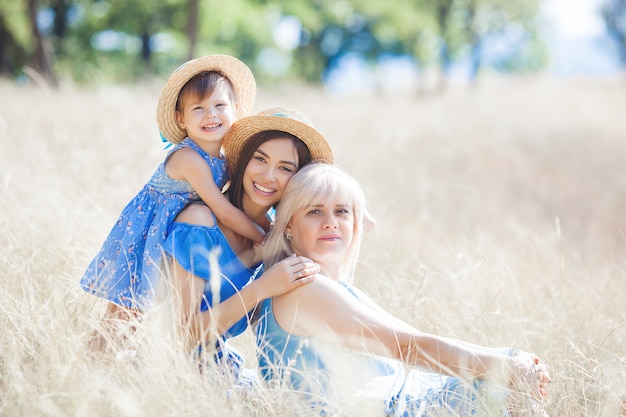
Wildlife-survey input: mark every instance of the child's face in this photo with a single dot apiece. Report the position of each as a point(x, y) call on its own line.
point(323, 231)
point(208, 119)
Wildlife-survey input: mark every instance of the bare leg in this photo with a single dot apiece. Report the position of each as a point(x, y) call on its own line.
point(117, 324)
point(188, 290)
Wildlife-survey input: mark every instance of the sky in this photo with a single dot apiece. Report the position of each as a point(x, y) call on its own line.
point(577, 39)
point(574, 18)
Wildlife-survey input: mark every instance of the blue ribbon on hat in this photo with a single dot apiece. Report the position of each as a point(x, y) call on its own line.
point(164, 140)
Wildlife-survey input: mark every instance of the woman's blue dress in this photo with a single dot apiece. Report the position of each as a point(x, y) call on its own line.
point(205, 252)
point(127, 268)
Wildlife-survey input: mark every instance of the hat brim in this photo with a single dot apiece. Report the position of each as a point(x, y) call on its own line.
point(247, 127)
point(237, 73)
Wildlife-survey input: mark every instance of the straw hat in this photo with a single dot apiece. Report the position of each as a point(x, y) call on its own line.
point(277, 118)
point(237, 73)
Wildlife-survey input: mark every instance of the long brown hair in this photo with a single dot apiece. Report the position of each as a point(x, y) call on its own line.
point(235, 191)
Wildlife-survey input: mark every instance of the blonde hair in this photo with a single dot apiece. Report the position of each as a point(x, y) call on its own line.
point(314, 183)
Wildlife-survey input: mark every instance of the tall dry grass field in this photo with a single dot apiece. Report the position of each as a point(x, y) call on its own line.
point(501, 219)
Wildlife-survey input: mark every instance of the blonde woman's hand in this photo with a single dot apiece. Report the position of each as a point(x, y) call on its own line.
point(289, 274)
point(530, 375)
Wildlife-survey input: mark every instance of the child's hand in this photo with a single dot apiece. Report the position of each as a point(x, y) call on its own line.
point(261, 232)
point(258, 251)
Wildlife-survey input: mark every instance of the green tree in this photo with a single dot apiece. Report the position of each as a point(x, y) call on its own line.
point(23, 48)
point(120, 39)
point(440, 32)
point(489, 17)
point(13, 52)
point(320, 20)
point(127, 31)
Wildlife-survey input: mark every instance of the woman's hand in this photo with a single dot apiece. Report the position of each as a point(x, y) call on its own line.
point(530, 375)
point(288, 274)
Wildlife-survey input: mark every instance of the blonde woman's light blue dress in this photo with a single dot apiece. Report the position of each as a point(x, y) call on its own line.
point(318, 379)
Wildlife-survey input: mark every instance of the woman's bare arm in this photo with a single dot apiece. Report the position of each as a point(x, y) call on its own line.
point(325, 310)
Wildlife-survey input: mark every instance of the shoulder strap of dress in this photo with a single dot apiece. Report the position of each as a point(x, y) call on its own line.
point(189, 143)
point(350, 289)
point(186, 143)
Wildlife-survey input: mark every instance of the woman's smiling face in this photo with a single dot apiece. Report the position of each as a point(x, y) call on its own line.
point(273, 164)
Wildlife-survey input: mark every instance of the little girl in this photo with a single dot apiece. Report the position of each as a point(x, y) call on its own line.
point(197, 107)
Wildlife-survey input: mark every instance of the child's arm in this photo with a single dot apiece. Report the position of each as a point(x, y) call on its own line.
point(187, 164)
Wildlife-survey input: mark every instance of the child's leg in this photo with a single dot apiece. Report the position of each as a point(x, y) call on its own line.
point(116, 325)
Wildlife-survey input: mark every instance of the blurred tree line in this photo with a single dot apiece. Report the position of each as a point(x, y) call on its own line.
point(614, 16)
point(129, 40)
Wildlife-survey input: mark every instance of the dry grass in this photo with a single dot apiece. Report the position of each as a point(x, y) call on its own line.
point(501, 219)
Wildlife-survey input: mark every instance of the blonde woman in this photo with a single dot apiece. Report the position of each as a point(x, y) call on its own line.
point(341, 352)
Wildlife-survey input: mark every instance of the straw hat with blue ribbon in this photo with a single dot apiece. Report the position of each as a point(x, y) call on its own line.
point(237, 73)
point(277, 118)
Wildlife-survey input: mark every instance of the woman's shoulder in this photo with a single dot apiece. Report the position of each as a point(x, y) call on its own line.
point(319, 287)
point(317, 308)
point(297, 311)
point(322, 291)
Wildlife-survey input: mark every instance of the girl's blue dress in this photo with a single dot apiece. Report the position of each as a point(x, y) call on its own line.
point(326, 380)
point(127, 268)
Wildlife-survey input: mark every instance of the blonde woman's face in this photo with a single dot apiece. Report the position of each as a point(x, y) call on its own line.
point(323, 231)
point(268, 172)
